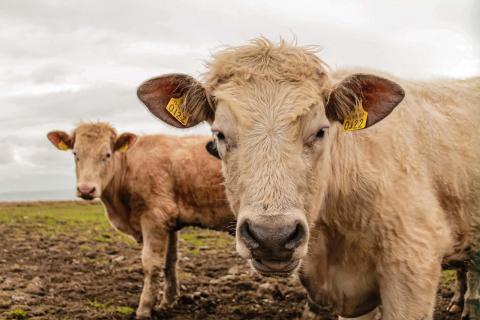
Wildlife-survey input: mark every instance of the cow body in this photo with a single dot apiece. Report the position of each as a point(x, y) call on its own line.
point(160, 185)
point(171, 175)
point(369, 216)
point(409, 199)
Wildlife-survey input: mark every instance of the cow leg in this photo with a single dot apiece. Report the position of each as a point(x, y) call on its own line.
point(310, 312)
point(408, 290)
point(457, 302)
point(153, 252)
point(171, 285)
point(471, 310)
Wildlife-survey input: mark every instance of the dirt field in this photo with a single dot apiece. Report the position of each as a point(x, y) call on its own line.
point(64, 261)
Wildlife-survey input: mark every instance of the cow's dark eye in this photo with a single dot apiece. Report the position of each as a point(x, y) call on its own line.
point(320, 133)
point(220, 135)
point(211, 147)
point(108, 155)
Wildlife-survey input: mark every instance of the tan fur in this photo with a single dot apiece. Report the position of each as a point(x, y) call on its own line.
point(386, 205)
point(160, 185)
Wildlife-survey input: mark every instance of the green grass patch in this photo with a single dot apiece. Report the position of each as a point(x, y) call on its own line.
point(448, 277)
point(104, 238)
point(193, 239)
point(54, 213)
point(18, 313)
point(84, 248)
point(206, 238)
point(85, 221)
point(194, 251)
point(123, 310)
point(95, 304)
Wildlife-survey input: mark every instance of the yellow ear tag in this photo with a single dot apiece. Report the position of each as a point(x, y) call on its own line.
point(124, 148)
point(173, 107)
point(356, 120)
point(62, 146)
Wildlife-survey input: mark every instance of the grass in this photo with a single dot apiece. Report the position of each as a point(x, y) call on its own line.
point(88, 220)
point(206, 238)
point(54, 213)
point(95, 304)
point(448, 278)
point(85, 220)
point(122, 310)
point(84, 248)
point(18, 313)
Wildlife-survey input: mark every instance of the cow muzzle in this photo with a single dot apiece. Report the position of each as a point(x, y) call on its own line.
point(275, 244)
point(87, 191)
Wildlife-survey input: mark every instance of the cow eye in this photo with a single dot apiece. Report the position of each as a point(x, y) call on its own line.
point(211, 147)
point(108, 155)
point(220, 136)
point(321, 133)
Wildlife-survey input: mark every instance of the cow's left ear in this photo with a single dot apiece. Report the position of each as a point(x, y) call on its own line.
point(377, 96)
point(125, 142)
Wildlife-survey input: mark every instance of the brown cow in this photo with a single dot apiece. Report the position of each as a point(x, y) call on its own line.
point(162, 184)
point(370, 214)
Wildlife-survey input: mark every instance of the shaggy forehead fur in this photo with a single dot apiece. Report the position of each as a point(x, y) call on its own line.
point(263, 59)
point(95, 131)
point(281, 74)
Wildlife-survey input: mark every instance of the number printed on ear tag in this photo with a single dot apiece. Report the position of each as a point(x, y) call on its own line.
point(356, 120)
point(173, 107)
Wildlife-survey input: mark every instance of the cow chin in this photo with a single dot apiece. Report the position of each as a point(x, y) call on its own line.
point(274, 268)
point(88, 197)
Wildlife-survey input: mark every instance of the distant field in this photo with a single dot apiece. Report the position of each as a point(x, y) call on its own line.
point(49, 195)
point(63, 260)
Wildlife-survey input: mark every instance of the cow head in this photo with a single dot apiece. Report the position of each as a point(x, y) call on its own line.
point(95, 148)
point(274, 113)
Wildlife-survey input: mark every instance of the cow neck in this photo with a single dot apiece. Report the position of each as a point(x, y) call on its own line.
point(112, 192)
point(348, 189)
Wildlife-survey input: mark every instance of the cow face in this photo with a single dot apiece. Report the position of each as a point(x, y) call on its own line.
point(95, 148)
point(274, 114)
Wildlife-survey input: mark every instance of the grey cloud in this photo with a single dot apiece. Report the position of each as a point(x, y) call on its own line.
point(6, 155)
point(51, 73)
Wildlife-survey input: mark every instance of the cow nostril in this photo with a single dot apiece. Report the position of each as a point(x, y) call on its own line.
point(248, 236)
point(295, 239)
point(86, 189)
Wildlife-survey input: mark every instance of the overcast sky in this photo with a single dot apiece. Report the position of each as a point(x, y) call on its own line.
point(65, 61)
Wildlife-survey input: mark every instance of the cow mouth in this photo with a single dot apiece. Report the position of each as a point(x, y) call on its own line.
point(275, 268)
point(87, 196)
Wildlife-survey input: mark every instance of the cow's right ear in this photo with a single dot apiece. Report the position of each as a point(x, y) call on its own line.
point(176, 99)
point(60, 139)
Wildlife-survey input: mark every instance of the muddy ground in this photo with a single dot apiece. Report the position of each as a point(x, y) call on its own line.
point(63, 261)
